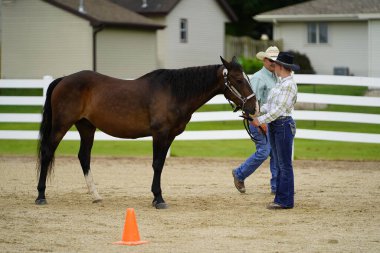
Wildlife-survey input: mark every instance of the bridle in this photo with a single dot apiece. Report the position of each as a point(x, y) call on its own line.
point(234, 91)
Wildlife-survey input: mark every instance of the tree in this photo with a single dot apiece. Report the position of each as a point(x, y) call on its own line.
point(246, 9)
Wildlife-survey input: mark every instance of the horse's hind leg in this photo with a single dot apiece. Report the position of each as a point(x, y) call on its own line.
point(87, 131)
point(46, 162)
point(161, 144)
point(47, 150)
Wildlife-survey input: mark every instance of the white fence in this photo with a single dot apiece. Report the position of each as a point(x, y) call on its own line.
point(225, 115)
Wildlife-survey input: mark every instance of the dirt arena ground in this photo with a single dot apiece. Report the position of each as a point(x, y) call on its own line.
point(337, 208)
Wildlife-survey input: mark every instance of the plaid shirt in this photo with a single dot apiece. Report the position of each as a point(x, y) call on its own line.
point(281, 100)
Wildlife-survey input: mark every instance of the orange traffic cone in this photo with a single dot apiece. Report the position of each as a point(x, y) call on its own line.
point(131, 234)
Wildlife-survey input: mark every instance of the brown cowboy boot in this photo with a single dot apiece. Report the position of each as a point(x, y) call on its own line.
point(238, 184)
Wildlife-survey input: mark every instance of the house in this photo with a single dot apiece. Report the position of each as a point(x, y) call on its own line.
point(59, 37)
point(123, 39)
point(338, 36)
point(194, 32)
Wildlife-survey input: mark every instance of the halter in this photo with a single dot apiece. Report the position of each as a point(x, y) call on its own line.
point(234, 91)
point(246, 118)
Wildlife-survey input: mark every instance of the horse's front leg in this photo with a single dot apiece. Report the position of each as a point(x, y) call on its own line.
point(161, 146)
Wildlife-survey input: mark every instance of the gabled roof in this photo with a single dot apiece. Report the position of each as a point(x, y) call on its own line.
point(152, 7)
point(104, 12)
point(164, 7)
point(327, 10)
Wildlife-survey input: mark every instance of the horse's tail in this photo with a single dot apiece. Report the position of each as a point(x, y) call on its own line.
point(45, 129)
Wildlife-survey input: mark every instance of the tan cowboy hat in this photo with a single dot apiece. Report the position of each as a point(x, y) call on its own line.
point(270, 53)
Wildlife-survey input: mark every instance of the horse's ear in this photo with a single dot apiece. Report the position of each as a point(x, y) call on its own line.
point(234, 59)
point(225, 63)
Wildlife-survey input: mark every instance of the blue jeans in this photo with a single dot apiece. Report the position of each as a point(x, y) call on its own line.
point(282, 132)
point(263, 150)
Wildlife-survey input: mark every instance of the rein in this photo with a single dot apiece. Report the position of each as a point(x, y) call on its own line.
point(246, 120)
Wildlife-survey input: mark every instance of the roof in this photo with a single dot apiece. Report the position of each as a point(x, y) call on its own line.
point(325, 10)
point(228, 10)
point(104, 12)
point(164, 7)
point(153, 7)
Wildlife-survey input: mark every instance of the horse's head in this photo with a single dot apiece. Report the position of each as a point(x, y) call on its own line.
point(238, 88)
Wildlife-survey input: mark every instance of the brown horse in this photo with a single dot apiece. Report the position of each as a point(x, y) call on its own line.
point(158, 104)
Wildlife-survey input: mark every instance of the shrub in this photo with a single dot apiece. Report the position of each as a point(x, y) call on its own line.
point(250, 65)
point(304, 62)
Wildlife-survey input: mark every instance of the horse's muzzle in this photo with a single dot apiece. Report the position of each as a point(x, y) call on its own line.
point(247, 112)
point(246, 116)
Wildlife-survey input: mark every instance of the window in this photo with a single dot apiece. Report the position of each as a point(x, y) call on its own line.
point(312, 33)
point(317, 33)
point(183, 30)
point(323, 33)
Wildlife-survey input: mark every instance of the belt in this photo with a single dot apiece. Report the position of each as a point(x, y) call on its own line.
point(284, 117)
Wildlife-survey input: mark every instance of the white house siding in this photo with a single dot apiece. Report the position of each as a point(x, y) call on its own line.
point(347, 46)
point(40, 39)
point(206, 22)
point(161, 46)
point(126, 53)
point(374, 48)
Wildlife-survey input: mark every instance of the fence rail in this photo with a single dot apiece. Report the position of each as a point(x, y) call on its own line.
point(221, 116)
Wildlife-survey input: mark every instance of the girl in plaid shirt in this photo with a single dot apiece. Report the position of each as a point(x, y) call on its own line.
point(277, 112)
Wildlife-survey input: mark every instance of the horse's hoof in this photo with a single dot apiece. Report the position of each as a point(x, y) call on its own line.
point(41, 202)
point(97, 201)
point(161, 205)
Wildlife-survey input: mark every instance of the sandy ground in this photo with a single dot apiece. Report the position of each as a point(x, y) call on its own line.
point(337, 208)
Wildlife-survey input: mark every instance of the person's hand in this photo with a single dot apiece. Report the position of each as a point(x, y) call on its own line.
point(263, 128)
point(255, 122)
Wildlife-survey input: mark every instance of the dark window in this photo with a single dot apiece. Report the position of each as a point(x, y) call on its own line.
point(312, 33)
point(317, 33)
point(183, 30)
point(323, 38)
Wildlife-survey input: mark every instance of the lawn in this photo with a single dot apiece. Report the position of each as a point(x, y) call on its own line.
point(304, 149)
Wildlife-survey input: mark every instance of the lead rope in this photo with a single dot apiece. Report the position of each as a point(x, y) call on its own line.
point(246, 126)
point(246, 120)
point(246, 123)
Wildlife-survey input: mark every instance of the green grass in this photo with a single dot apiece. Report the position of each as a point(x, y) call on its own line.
point(313, 125)
point(332, 89)
point(20, 92)
point(20, 109)
point(19, 126)
point(339, 126)
point(304, 149)
point(330, 150)
point(106, 148)
point(350, 108)
point(214, 108)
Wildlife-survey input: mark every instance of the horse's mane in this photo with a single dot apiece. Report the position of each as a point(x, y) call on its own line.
point(186, 82)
